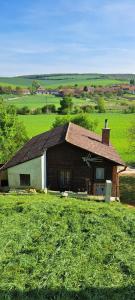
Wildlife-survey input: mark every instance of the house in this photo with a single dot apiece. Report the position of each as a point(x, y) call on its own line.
point(41, 91)
point(68, 157)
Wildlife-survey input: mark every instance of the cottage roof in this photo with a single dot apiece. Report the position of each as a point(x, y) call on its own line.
point(71, 133)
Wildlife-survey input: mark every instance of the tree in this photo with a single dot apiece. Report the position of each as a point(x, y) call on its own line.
point(66, 105)
point(132, 82)
point(18, 90)
point(35, 86)
point(80, 119)
point(85, 88)
point(101, 105)
point(12, 132)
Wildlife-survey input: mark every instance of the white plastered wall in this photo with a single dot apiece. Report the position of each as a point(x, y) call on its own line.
point(35, 167)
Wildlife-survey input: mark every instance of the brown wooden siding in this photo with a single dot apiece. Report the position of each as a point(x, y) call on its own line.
point(66, 156)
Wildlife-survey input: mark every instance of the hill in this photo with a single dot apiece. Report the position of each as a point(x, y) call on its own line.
point(52, 248)
point(55, 80)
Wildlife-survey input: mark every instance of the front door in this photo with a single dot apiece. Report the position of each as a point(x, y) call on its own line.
point(64, 179)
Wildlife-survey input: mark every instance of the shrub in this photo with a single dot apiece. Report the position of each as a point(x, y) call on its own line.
point(80, 119)
point(50, 108)
point(66, 105)
point(87, 108)
point(23, 110)
point(37, 111)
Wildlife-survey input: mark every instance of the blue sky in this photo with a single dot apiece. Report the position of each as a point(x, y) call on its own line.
point(57, 36)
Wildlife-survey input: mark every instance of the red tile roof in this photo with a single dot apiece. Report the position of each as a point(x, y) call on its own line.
point(71, 133)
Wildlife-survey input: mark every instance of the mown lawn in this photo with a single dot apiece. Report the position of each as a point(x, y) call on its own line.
point(52, 248)
point(118, 122)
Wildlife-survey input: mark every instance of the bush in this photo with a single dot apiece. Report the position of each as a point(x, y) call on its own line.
point(101, 105)
point(80, 119)
point(66, 105)
point(23, 110)
point(87, 108)
point(37, 111)
point(50, 108)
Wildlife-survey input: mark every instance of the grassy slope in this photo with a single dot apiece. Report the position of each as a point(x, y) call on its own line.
point(52, 248)
point(55, 82)
point(119, 124)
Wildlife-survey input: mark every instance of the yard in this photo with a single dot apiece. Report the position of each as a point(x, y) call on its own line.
point(52, 248)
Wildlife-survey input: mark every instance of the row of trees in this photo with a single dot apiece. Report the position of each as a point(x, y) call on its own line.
point(66, 107)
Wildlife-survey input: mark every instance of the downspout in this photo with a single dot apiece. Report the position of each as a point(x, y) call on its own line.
point(121, 171)
point(44, 171)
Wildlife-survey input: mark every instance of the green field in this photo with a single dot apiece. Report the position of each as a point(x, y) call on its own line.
point(55, 80)
point(52, 248)
point(34, 101)
point(119, 124)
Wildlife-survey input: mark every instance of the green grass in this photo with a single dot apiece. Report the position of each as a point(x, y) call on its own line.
point(54, 81)
point(52, 248)
point(34, 101)
point(119, 124)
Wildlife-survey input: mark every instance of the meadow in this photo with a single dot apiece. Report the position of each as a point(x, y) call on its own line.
point(52, 248)
point(55, 80)
point(119, 124)
point(35, 101)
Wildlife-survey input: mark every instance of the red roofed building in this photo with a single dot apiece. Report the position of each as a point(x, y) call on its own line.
point(68, 157)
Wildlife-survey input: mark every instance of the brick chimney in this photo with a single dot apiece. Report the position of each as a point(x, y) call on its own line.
point(106, 134)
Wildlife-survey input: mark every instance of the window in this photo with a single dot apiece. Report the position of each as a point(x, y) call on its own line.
point(25, 179)
point(100, 173)
point(65, 177)
point(4, 182)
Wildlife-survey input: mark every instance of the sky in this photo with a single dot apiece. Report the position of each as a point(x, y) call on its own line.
point(67, 36)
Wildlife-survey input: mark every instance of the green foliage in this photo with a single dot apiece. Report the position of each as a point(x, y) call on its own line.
point(80, 119)
point(132, 81)
point(101, 105)
point(23, 110)
point(52, 248)
point(49, 108)
point(12, 132)
point(85, 88)
point(87, 108)
point(66, 105)
point(18, 90)
point(35, 85)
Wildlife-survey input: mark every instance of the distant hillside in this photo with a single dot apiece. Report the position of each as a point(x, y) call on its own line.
point(55, 80)
point(52, 248)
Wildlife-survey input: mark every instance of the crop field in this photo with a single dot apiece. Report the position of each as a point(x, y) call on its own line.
point(52, 248)
point(119, 124)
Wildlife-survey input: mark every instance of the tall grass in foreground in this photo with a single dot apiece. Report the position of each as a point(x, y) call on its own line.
point(52, 248)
